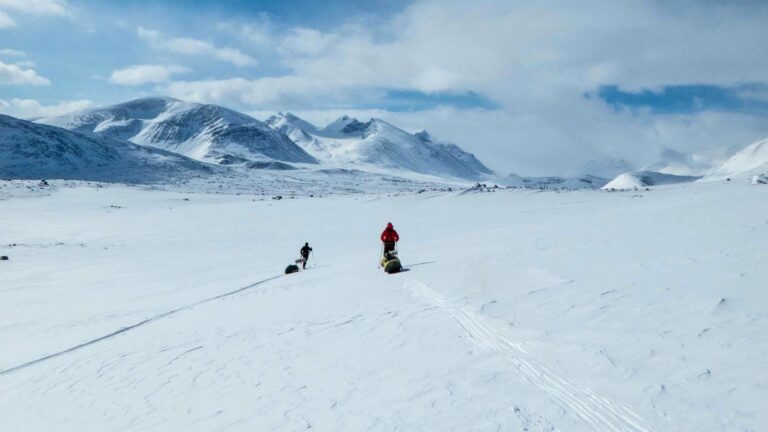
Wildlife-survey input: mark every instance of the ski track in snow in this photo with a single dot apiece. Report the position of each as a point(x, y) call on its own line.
point(598, 412)
point(132, 327)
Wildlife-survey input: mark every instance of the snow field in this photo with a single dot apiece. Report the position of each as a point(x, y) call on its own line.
point(520, 310)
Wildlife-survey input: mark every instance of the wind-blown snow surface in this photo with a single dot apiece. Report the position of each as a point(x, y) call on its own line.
point(33, 151)
point(521, 310)
point(204, 132)
point(377, 144)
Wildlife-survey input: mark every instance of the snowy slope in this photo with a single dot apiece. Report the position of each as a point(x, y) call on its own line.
point(203, 132)
point(750, 162)
point(378, 144)
point(34, 151)
point(641, 179)
point(521, 311)
point(467, 158)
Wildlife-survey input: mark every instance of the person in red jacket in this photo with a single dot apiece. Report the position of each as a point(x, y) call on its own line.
point(389, 236)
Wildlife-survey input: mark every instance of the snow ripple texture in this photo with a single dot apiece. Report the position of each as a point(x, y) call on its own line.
point(596, 411)
point(131, 327)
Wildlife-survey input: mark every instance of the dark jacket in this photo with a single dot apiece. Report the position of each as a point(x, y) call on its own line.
point(305, 251)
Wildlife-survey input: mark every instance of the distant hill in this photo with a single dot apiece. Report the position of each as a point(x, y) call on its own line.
point(34, 151)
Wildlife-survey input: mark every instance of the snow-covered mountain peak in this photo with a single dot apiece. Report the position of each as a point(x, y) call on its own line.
point(216, 134)
point(380, 145)
point(424, 136)
point(286, 121)
point(290, 116)
point(345, 125)
point(750, 161)
point(144, 108)
point(204, 132)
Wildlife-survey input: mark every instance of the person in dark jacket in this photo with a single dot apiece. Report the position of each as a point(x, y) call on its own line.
point(305, 254)
point(390, 237)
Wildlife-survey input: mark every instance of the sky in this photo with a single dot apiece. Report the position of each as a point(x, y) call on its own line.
point(553, 87)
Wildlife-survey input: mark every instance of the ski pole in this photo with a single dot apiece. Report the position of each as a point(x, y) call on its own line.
point(314, 262)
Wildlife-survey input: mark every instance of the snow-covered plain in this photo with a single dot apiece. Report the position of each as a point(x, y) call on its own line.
point(129, 309)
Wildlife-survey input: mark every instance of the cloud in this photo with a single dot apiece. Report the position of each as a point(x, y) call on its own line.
point(29, 108)
point(261, 35)
point(197, 47)
point(260, 31)
point(42, 7)
point(11, 74)
point(37, 7)
point(286, 90)
point(306, 41)
point(12, 53)
point(26, 64)
point(6, 21)
point(536, 61)
point(143, 74)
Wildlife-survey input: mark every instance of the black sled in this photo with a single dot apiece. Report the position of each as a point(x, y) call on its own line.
point(292, 268)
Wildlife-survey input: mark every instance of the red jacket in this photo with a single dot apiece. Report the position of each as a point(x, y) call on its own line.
point(389, 234)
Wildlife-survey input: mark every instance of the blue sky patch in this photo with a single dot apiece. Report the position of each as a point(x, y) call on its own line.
point(318, 14)
point(685, 99)
point(414, 100)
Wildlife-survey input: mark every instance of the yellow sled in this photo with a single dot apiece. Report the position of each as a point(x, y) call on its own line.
point(390, 262)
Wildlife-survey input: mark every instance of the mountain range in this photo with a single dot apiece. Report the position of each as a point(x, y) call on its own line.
point(209, 133)
point(214, 134)
point(378, 144)
point(157, 138)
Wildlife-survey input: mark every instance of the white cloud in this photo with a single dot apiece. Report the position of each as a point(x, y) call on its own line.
point(43, 7)
point(29, 108)
point(143, 74)
point(25, 64)
point(262, 91)
point(306, 41)
point(536, 61)
point(259, 34)
point(14, 75)
point(12, 53)
point(189, 46)
point(6, 21)
point(38, 7)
